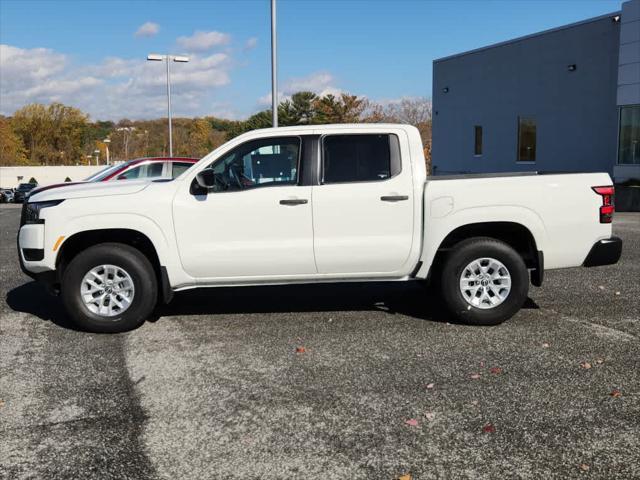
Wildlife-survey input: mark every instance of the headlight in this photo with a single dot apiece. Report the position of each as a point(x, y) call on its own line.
point(31, 211)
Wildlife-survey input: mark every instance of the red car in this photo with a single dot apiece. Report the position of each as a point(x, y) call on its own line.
point(153, 167)
point(164, 167)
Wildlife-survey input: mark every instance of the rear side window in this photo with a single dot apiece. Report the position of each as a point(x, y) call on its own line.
point(179, 168)
point(154, 170)
point(149, 170)
point(360, 158)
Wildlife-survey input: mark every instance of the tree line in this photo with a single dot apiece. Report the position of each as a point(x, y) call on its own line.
point(58, 134)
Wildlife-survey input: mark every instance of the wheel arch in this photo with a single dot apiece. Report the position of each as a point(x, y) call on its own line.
point(516, 235)
point(82, 240)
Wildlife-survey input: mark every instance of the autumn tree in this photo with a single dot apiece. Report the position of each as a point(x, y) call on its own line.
point(412, 111)
point(12, 150)
point(51, 134)
point(33, 125)
point(343, 109)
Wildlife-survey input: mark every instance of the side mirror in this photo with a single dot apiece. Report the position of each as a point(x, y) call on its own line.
point(206, 178)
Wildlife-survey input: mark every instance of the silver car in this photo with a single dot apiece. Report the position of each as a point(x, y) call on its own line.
point(6, 195)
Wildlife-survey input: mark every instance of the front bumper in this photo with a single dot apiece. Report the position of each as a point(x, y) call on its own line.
point(604, 252)
point(49, 278)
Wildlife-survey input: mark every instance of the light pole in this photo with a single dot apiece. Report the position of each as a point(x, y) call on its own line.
point(168, 59)
point(274, 66)
point(97, 154)
point(106, 142)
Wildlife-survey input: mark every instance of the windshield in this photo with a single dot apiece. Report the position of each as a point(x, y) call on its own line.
point(99, 175)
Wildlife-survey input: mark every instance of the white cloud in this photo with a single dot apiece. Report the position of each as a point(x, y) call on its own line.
point(37, 75)
point(251, 43)
point(202, 41)
point(114, 88)
point(320, 83)
point(148, 29)
point(314, 82)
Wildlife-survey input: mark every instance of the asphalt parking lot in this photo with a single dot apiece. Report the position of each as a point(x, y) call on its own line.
point(215, 387)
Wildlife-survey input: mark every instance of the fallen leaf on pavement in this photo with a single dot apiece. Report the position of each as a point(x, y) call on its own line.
point(430, 416)
point(412, 422)
point(545, 345)
point(300, 350)
point(496, 370)
point(585, 365)
point(599, 360)
point(430, 385)
point(584, 467)
point(406, 476)
point(600, 287)
point(475, 376)
point(615, 393)
point(481, 364)
point(489, 428)
point(617, 293)
point(1, 403)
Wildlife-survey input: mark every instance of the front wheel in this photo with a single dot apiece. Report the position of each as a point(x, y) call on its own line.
point(110, 287)
point(484, 281)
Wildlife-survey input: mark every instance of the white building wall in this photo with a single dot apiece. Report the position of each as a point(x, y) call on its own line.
point(10, 177)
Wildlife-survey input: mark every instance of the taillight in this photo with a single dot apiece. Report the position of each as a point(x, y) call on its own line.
point(607, 208)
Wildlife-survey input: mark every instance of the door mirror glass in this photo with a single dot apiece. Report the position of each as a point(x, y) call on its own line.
point(206, 178)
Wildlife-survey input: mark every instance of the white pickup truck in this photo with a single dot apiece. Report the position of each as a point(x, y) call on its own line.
point(326, 203)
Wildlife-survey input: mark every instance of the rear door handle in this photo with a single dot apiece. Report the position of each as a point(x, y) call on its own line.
point(294, 201)
point(394, 198)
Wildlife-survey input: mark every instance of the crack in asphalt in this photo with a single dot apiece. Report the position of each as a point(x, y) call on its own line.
point(596, 326)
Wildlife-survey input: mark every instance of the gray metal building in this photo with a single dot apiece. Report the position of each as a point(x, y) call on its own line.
point(566, 99)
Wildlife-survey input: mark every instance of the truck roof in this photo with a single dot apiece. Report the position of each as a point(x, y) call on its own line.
point(330, 126)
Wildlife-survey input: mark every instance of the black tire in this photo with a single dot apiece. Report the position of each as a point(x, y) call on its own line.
point(461, 256)
point(139, 269)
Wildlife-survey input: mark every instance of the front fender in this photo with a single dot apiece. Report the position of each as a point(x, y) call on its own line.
point(129, 221)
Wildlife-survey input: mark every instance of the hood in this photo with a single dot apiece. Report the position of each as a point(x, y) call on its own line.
point(54, 185)
point(88, 189)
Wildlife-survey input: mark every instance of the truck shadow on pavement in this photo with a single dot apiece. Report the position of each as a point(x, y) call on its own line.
point(33, 298)
point(413, 299)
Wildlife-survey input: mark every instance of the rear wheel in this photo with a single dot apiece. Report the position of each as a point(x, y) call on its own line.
point(484, 281)
point(110, 287)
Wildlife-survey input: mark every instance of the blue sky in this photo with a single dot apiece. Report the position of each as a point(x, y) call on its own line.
point(87, 53)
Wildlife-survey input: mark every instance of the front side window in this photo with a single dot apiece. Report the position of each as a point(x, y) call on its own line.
point(360, 158)
point(629, 146)
point(477, 148)
point(131, 173)
point(259, 163)
point(526, 139)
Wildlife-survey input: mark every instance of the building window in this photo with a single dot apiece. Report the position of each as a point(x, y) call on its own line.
point(526, 139)
point(629, 147)
point(477, 148)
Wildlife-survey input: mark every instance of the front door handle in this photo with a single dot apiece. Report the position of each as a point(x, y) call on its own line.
point(394, 198)
point(294, 201)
